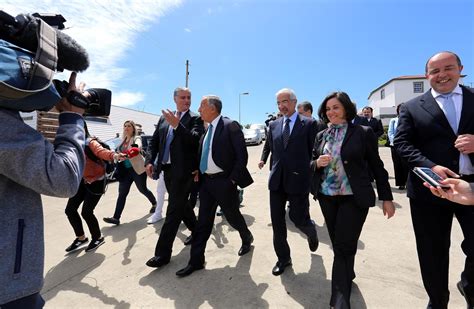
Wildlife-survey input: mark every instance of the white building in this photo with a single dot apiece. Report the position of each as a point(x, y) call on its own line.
point(103, 128)
point(385, 98)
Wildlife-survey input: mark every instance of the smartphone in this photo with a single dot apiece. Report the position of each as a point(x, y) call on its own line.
point(429, 176)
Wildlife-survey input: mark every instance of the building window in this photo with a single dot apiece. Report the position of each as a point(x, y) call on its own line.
point(382, 94)
point(96, 119)
point(418, 87)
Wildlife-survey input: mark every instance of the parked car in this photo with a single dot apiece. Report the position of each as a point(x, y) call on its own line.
point(252, 136)
point(262, 128)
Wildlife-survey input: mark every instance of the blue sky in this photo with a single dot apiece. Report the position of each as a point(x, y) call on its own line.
point(138, 49)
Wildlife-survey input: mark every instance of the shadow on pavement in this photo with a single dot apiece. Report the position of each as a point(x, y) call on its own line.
point(216, 292)
point(71, 275)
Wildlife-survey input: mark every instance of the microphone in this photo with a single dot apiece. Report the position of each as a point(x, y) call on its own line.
point(133, 152)
point(71, 55)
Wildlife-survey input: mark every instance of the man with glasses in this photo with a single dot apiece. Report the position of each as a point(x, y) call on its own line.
point(291, 140)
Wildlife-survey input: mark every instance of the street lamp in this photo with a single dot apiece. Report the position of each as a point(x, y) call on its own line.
point(241, 94)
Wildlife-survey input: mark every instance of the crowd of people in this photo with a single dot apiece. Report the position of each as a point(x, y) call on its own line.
point(335, 159)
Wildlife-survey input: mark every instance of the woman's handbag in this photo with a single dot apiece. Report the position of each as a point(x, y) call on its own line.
point(138, 164)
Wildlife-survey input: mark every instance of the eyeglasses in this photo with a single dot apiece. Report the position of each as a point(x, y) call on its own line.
point(185, 97)
point(283, 101)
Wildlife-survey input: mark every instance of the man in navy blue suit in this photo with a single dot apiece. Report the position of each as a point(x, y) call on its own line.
point(223, 167)
point(291, 140)
point(435, 130)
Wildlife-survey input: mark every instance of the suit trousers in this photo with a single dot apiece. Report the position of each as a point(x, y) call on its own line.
point(400, 167)
point(299, 215)
point(216, 191)
point(432, 224)
point(344, 220)
point(178, 210)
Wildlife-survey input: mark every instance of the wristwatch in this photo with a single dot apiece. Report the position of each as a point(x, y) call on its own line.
point(77, 99)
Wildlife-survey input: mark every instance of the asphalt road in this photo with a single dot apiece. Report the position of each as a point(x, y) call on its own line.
point(115, 275)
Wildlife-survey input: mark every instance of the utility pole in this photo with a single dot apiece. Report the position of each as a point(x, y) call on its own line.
point(187, 72)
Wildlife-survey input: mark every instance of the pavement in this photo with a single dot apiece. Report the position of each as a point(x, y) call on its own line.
point(115, 275)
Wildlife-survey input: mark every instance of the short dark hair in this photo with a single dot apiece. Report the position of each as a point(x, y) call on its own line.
point(349, 107)
point(398, 108)
point(307, 106)
point(446, 51)
point(368, 107)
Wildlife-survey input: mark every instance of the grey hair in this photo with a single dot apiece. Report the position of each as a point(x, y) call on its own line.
point(214, 101)
point(287, 91)
point(177, 90)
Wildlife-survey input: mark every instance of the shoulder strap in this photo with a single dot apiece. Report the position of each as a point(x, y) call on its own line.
point(41, 74)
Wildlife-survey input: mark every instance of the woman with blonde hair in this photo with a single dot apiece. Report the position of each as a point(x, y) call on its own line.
point(127, 174)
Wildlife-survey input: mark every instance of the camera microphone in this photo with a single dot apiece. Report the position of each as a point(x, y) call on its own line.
point(71, 55)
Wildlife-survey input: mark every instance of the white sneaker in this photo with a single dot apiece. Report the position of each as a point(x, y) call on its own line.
point(154, 219)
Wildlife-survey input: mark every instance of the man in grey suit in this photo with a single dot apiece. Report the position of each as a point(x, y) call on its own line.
point(291, 140)
point(435, 130)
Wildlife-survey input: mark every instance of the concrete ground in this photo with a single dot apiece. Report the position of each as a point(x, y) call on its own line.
point(115, 275)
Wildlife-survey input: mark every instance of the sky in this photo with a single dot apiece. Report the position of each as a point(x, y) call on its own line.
point(138, 49)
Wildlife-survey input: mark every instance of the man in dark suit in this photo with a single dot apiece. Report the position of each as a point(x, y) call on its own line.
point(175, 142)
point(370, 121)
point(291, 140)
point(433, 131)
point(223, 167)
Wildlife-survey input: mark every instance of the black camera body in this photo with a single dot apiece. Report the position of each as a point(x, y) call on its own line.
point(97, 103)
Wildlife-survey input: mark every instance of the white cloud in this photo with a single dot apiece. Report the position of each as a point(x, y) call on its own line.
point(187, 29)
point(106, 29)
point(124, 98)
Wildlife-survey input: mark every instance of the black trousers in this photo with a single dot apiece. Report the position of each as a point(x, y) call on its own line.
point(89, 195)
point(400, 167)
point(432, 224)
point(299, 215)
point(125, 183)
point(216, 191)
point(178, 210)
point(344, 220)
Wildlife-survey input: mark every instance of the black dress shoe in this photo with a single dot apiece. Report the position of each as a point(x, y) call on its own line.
point(279, 268)
point(188, 270)
point(313, 242)
point(246, 246)
point(152, 209)
point(469, 301)
point(188, 240)
point(157, 261)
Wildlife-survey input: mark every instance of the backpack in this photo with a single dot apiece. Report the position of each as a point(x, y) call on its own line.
point(109, 166)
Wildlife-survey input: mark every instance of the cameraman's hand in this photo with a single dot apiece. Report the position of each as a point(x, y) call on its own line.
point(63, 105)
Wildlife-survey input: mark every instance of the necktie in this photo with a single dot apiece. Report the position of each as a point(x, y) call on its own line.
point(286, 132)
point(169, 139)
point(205, 150)
point(450, 111)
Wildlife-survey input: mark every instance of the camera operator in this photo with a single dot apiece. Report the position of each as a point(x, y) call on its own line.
point(31, 166)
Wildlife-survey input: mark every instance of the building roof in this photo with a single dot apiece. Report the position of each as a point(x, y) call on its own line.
point(404, 77)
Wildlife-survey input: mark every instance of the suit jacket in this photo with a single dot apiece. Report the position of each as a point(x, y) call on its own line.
point(359, 153)
point(375, 124)
point(290, 169)
point(229, 151)
point(183, 148)
point(425, 138)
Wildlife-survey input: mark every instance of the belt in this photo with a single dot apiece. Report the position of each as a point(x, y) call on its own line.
point(215, 175)
point(468, 178)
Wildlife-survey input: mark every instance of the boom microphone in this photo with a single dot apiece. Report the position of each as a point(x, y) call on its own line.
point(71, 55)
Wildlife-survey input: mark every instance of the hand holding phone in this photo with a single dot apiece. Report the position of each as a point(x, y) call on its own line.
point(426, 174)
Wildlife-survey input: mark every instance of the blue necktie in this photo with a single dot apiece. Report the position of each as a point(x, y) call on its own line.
point(450, 111)
point(286, 132)
point(169, 139)
point(205, 150)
